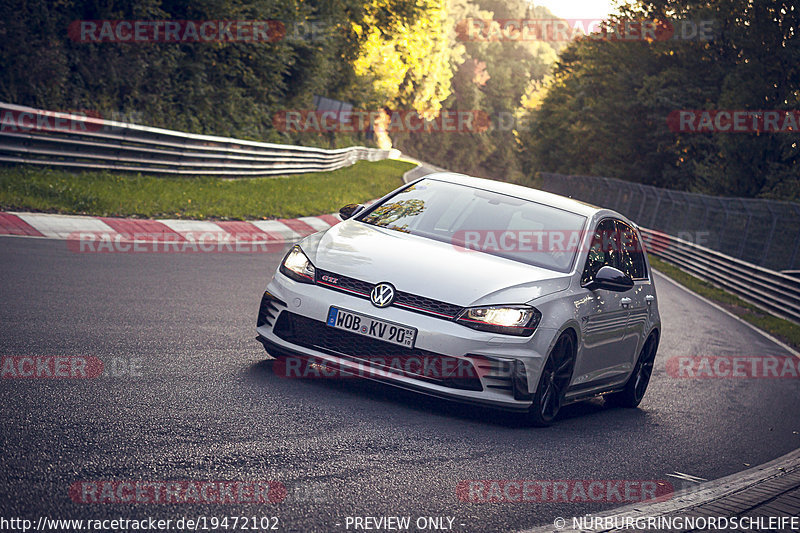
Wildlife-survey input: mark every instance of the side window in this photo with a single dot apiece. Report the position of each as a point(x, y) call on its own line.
point(632, 254)
point(604, 250)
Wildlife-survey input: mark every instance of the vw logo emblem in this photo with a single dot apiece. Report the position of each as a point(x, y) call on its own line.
point(382, 295)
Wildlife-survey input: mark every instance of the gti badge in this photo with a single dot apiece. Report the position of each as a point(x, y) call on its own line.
point(382, 295)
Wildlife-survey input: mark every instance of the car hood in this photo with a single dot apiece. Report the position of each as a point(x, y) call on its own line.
point(427, 267)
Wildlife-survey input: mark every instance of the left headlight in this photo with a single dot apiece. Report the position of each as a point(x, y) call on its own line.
point(520, 320)
point(298, 267)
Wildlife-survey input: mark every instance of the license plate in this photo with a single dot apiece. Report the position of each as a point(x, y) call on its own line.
point(372, 327)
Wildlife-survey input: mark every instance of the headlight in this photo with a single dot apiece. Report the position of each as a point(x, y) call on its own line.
point(297, 266)
point(520, 320)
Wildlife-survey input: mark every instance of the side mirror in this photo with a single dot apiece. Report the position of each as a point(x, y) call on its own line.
point(349, 210)
point(611, 279)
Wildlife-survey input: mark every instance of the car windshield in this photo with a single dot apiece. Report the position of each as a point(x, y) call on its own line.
point(484, 221)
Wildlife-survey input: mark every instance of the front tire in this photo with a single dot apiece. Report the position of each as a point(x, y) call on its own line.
point(553, 383)
point(631, 396)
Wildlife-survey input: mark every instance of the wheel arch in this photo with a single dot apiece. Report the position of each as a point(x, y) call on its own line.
point(570, 327)
point(534, 371)
point(656, 330)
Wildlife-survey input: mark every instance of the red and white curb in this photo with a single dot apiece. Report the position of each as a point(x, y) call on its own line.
point(121, 230)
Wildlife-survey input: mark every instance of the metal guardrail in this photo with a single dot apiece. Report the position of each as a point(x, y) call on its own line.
point(760, 231)
point(772, 291)
point(671, 212)
point(40, 137)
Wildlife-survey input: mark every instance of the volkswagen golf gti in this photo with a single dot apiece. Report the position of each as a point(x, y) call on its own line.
point(472, 290)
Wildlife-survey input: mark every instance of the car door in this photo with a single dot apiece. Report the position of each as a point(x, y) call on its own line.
point(641, 297)
point(603, 314)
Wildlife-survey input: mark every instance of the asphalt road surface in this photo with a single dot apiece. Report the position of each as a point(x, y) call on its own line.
point(193, 397)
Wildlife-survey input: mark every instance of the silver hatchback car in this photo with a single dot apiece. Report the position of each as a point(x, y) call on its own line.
point(474, 290)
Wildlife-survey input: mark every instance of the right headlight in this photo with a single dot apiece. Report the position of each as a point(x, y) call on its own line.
point(519, 320)
point(298, 267)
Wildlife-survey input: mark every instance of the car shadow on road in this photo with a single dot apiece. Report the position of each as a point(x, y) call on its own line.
point(354, 388)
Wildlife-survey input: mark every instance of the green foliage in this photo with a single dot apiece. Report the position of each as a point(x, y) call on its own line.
point(490, 77)
point(590, 106)
point(401, 55)
point(106, 194)
point(408, 64)
point(605, 110)
point(223, 88)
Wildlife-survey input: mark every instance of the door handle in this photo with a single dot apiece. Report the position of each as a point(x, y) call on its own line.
point(625, 302)
point(649, 299)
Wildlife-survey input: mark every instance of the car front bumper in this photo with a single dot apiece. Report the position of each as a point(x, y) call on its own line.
point(505, 368)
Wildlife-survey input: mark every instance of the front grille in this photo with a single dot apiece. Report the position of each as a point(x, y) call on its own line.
point(421, 304)
point(405, 300)
point(343, 283)
point(419, 364)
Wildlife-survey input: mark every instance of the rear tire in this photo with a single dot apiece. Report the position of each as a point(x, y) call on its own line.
point(631, 396)
point(553, 383)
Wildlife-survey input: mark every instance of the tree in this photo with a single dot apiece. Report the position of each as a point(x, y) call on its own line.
point(490, 78)
point(605, 111)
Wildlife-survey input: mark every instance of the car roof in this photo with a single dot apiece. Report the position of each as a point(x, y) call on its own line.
point(518, 191)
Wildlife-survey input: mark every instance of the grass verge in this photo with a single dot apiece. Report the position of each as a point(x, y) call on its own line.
point(31, 188)
point(784, 330)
